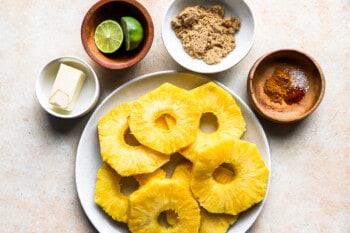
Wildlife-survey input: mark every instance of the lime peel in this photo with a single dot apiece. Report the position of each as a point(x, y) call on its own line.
point(133, 32)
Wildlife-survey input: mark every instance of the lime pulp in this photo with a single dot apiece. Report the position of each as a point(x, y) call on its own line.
point(108, 36)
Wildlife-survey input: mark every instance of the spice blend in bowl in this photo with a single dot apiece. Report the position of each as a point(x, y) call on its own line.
point(285, 86)
point(288, 83)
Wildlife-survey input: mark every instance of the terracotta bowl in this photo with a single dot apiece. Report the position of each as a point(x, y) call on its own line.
point(115, 9)
point(306, 78)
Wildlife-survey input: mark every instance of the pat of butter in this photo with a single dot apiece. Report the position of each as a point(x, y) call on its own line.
point(66, 88)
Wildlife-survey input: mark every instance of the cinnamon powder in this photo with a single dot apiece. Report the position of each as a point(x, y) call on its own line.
point(276, 86)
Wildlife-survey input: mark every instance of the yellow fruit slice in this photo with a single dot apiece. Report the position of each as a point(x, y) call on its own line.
point(218, 223)
point(108, 195)
point(108, 36)
point(108, 191)
point(247, 186)
point(166, 101)
point(182, 173)
point(227, 118)
point(144, 178)
point(120, 149)
point(156, 197)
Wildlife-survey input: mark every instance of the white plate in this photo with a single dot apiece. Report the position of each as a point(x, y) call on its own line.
point(88, 154)
point(244, 37)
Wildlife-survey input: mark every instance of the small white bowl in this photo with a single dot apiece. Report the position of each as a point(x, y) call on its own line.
point(244, 37)
point(89, 94)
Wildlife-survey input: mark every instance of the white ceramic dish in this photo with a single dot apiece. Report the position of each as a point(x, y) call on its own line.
point(89, 94)
point(244, 37)
point(88, 158)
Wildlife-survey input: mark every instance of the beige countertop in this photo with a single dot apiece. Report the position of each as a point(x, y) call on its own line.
point(310, 183)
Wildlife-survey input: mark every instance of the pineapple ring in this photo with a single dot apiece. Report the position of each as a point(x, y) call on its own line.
point(230, 122)
point(126, 158)
point(218, 223)
point(247, 187)
point(166, 105)
point(209, 222)
point(152, 199)
point(108, 193)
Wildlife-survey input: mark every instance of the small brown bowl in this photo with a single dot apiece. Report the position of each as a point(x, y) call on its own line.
point(301, 69)
point(115, 9)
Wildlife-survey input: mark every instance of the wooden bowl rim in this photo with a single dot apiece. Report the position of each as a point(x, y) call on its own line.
point(264, 113)
point(101, 58)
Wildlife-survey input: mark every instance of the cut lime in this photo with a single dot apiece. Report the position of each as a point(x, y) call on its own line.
point(108, 36)
point(133, 32)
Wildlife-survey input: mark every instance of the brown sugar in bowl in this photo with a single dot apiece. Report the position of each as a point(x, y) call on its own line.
point(287, 59)
point(115, 9)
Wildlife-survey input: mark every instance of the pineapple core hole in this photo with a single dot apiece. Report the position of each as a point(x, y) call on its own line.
point(168, 218)
point(208, 123)
point(128, 185)
point(165, 121)
point(224, 173)
point(130, 139)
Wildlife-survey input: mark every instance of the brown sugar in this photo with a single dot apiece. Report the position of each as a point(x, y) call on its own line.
point(205, 33)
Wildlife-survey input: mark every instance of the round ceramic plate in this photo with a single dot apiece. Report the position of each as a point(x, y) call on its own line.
point(88, 158)
point(244, 37)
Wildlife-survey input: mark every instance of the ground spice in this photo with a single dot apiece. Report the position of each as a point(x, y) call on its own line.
point(276, 86)
point(205, 33)
point(286, 84)
point(294, 95)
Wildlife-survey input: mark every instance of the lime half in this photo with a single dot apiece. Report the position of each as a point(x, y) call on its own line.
point(133, 32)
point(108, 36)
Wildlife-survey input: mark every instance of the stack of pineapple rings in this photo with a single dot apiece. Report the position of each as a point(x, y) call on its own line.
point(222, 175)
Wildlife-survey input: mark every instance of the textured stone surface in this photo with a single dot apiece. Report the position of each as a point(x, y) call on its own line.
point(310, 183)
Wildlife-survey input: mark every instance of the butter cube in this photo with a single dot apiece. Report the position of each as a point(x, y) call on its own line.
point(66, 88)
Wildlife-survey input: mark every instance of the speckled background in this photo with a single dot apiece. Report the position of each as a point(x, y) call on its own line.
point(310, 185)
